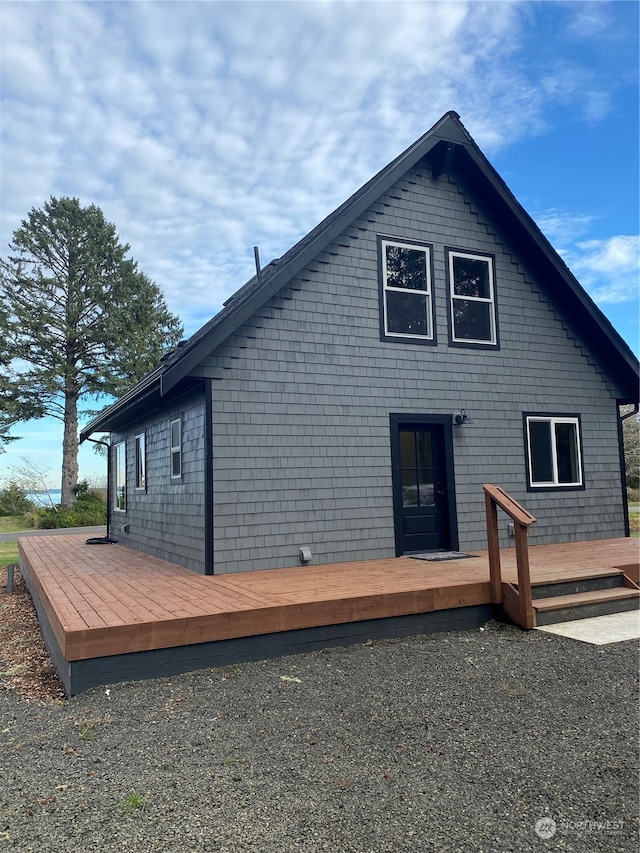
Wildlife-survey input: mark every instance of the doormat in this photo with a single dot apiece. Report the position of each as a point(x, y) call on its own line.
point(439, 556)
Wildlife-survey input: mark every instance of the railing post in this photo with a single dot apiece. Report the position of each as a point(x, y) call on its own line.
point(493, 544)
point(524, 576)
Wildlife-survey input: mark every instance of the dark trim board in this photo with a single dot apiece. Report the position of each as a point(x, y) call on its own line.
point(78, 676)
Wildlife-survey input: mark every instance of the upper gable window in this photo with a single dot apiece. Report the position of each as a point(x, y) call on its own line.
point(405, 275)
point(472, 299)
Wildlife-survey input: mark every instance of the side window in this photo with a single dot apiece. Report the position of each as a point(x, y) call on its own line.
point(176, 449)
point(141, 462)
point(406, 294)
point(472, 303)
point(554, 456)
point(120, 477)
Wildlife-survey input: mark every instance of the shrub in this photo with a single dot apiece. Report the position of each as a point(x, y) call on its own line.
point(89, 509)
point(14, 501)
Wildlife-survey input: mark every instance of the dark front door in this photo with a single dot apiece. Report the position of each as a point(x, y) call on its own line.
point(421, 484)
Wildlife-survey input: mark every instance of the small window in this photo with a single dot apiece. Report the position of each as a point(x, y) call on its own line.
point(141, 463)
point(176, 449)
point(554, 457)
point(406, 291)
point(120, 480)
point(472, 299)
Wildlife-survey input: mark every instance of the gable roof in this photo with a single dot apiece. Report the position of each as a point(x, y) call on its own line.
point(446, 144)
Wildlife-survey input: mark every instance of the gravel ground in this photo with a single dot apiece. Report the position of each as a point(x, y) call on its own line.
point(449, 742)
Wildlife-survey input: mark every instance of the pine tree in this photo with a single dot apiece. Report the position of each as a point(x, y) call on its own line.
point(79, 316)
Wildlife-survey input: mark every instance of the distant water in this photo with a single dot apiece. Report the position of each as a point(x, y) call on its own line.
point(46, 498)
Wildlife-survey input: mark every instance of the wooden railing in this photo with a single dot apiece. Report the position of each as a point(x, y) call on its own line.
point(518, 606)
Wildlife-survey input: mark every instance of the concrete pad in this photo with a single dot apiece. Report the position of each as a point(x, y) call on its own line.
point(599, 630)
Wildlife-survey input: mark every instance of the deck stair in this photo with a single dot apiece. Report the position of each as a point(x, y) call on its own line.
point(599, 591)
point(581, 598)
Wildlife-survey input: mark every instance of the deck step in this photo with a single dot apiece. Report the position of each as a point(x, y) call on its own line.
point(611, 580)
point(583, 605)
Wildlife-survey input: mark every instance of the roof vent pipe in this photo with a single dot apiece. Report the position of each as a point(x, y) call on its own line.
point(256, 254)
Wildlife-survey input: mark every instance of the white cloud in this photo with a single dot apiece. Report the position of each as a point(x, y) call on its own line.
point(562, 227)
point(609, 269)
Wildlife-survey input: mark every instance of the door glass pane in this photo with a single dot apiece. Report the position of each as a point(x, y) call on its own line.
point(426, 487)
point(407, 449)
point(567, 453)
point(407, 314)
point(540, 451)
point(423, 445)
point(409, 487)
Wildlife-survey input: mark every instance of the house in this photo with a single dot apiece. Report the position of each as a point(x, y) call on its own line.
point(349, 401)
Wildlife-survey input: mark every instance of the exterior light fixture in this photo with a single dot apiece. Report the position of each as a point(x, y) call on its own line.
point(462, 418)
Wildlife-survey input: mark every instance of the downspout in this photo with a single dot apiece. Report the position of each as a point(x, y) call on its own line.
point(208, 478)
point(108, 539)
point(623, 467)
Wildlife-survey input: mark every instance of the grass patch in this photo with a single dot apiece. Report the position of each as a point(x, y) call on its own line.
point(12, 523)
point(8, 553)
point(634, 524)
point(132, 802)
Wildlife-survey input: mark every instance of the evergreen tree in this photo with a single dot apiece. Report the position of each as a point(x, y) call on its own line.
point(79, 316)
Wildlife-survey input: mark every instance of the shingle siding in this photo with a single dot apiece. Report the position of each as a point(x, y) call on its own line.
point(303, 392)
point(167, 519)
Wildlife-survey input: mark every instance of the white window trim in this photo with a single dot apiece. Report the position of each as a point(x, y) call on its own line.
point(552, 421)
point(141, 454)
point(387, 289)
point(488, 301)
point(116, 482)
point(175, 448)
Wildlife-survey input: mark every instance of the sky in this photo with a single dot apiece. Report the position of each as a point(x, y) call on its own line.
point(202, 129)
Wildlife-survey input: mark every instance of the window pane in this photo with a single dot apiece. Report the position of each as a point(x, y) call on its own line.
point(471, 277)
point(541, 453)
point(409, 487)
point(175, 434)
point(407, 449)
point(472, 320)
point(140, 462)
point(567, 453)
point(176, 463)
point(120, 492)
point(406, 268)
point(408, 314)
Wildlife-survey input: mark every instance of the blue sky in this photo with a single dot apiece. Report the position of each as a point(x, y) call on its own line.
point(204, 128)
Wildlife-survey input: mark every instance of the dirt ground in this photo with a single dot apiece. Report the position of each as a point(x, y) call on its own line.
point(25, 665)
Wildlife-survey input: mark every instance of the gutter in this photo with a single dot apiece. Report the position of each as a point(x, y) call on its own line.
point(108, 539)
point(623, 467)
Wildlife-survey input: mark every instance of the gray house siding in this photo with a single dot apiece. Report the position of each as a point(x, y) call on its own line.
point(302, 394)
point(167, 518)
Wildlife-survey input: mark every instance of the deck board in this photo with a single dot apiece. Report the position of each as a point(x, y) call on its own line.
point(103, 600)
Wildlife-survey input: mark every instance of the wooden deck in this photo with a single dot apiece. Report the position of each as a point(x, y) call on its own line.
point(105, 604)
